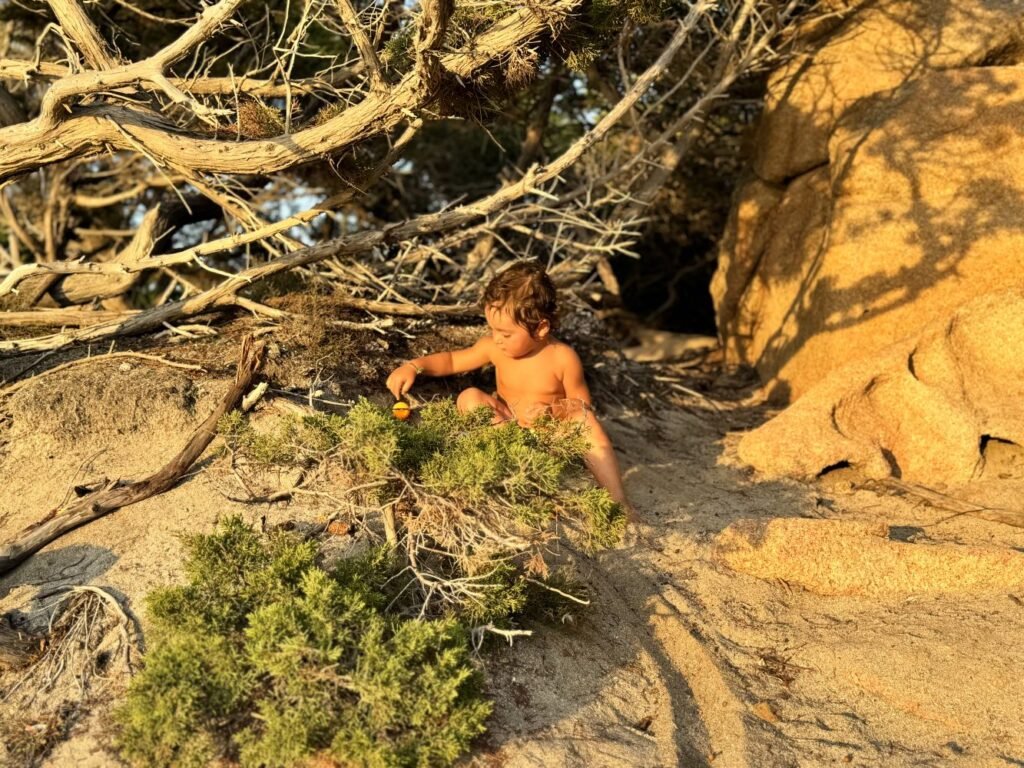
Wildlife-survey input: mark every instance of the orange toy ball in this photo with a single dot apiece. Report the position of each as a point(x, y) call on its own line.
point(401, 410)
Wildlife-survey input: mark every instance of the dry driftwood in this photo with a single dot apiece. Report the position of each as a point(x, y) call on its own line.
point(113, 495)
point(52, 137)
point(224, 294)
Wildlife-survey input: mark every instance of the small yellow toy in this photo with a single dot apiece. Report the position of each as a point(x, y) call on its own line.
point(401, 410)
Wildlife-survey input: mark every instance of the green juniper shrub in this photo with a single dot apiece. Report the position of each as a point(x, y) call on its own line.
point(369, 439)
point(266, 658)
point(535, 474)
point(328, 112)
point(229, 575)
point(397, 54)
point(297, 441)
point(604, 522)
point(530, 477)
point(473, 461)
point(257, 120)
point(268, 450)
point(438, 426)
point(585, 41)
point(505, 460)
point(178, 708)
point(505, 592)
point(579, 44)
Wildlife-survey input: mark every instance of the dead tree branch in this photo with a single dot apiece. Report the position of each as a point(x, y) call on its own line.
point(149, 71)
point(362, 42)
point(49, 139)
point(77, 26)
point(96, 235)
point(11, 388)
point(223, 295)
point(113, 495)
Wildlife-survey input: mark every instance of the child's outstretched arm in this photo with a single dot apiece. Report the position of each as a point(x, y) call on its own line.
point(601, 460)
point(439, 364)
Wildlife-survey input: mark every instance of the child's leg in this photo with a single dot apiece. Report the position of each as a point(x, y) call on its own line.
point(600, 459)
point(604, 465)
point(473, 398)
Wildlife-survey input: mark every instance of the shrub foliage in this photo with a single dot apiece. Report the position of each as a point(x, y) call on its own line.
point(476, 499)
point(267, 658)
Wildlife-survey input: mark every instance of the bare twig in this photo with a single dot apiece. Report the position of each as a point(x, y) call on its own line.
point(10, 389)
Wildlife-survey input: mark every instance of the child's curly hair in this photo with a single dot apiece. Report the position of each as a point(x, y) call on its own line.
point(528, 293)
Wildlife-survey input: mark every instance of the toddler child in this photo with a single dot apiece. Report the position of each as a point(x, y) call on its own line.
point(536, 373)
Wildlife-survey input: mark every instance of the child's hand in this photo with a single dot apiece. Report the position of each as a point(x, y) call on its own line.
point(401, 379)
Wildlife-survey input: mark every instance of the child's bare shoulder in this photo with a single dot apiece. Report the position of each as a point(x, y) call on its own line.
point(564, 355)
point(476, 356)
point(485, 346)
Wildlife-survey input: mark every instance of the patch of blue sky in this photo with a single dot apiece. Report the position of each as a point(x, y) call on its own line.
point(188, 235)
point(302, 200)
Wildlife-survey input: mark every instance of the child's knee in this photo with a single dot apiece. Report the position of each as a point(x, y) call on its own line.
point(471, 399)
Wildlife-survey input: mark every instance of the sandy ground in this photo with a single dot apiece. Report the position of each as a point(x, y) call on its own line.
point(685, 662)
point(680, 660)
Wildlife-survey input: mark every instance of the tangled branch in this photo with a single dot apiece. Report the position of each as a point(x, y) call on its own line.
point(577, 209)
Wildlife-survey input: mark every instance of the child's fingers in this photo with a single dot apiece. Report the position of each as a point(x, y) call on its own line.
point(399, 382)
point(407, 382)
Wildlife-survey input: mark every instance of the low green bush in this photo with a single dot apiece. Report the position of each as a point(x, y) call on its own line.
point(266, 658)
point(532, 476)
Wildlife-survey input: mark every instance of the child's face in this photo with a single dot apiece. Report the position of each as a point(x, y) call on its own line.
point(511, 338)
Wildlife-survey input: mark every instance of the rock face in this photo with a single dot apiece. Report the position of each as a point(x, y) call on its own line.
point(888, 189)
point(923, 410)
point(839, 557)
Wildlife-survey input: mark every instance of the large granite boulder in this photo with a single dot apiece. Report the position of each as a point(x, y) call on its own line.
point(881, 46)
point(889, 189)
point(923, 410)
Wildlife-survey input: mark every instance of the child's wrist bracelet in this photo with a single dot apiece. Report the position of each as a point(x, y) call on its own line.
point(418, 368)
